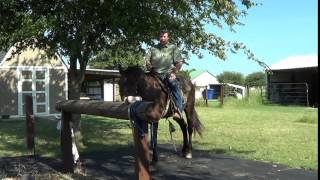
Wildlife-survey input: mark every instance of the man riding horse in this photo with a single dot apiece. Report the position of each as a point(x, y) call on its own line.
point(165, 61)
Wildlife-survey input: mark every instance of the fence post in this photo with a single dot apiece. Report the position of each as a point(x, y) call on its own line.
point(221, 95)
point(66, 142)
point(141, 146)
point(28, 106)
point(307, 89)
point(206, 96)
point(248, 91)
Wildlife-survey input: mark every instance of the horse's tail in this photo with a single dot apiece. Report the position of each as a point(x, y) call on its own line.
point(193, 115)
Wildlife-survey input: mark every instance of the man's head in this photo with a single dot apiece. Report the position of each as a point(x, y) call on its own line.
point(164, 37)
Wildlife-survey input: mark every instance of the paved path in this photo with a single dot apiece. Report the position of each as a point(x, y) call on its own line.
point(119, 164)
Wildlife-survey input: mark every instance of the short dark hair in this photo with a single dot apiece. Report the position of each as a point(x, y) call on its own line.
point(163, 31)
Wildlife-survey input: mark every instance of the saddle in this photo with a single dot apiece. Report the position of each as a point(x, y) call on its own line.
point(170, 104)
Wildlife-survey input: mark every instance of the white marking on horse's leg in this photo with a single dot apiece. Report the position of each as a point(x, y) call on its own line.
point(189, 155)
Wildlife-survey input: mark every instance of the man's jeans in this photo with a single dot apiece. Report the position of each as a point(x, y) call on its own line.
point(176, 93)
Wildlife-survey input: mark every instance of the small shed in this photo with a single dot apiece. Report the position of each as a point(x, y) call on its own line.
point(101, 84)
point(236, 90)
point(34, 74)
point(203, 80)
point(294, 80)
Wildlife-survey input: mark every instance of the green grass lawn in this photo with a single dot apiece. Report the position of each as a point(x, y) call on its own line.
point(274, 134)
point(279, 134)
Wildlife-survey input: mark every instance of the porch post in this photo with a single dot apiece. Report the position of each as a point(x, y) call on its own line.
point(30, 123)
point(66, 142)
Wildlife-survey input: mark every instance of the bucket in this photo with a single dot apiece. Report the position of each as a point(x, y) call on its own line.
point(210, 93)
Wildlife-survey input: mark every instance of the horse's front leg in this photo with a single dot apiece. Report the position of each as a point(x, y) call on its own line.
point(154, 140)
point(183, 127)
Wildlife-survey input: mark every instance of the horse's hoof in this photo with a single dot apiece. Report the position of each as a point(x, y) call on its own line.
point(188, 156)
point(154, 159)
point(153, 162)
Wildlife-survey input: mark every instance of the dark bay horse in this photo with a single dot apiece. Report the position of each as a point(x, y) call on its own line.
point(134, 82)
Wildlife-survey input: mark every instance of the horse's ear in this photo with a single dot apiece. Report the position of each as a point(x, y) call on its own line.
point(120, 68)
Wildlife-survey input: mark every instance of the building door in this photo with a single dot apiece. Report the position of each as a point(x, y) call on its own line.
point(33, 82)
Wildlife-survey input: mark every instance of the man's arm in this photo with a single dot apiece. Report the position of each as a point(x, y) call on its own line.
point(147, 63)
point(177, 67)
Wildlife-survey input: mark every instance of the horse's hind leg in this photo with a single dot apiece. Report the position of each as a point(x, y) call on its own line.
point(189, 146)
point(190, 132)
point(153, 141)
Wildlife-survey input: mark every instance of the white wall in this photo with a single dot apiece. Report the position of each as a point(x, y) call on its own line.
point(198, 92)
point(204, 79)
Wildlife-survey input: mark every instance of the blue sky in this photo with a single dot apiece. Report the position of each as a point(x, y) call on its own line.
point(274, 30)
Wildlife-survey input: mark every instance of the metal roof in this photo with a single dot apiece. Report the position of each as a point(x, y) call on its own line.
point(107, 72)
point(296, 62)
point(196, 73)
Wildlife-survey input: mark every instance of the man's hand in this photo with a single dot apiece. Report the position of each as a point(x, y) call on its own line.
point(178, 66)
point(172, 76)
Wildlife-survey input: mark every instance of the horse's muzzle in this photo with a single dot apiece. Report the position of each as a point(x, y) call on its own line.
point(132, 99)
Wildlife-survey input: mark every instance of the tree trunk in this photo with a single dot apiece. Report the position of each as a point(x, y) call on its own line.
point(74, 94)
point(76, 77)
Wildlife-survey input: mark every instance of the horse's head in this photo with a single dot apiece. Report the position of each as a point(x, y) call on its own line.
point(129, 81)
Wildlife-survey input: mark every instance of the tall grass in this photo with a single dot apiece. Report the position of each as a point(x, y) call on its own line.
point(210, 103)
point(252, 100)
point(309, 116)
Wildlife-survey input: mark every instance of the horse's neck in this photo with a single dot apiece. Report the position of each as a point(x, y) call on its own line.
point(160, 82)
point(157, 90)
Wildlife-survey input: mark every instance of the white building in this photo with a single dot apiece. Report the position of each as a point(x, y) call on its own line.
point(203, 79)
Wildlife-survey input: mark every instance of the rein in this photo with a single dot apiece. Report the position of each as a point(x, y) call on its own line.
point(167, 91)
point(166, 110)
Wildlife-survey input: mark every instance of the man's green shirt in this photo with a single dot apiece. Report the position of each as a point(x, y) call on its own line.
point(163, 58)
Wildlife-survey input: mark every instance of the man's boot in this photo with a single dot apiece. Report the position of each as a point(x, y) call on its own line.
point(177, 115)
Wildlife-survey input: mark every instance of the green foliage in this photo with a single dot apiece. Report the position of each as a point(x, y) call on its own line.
point(79, 30)
point(231, 77)
point(256, 79)
point(123, 56)
point(186, 73)
point(118, 29)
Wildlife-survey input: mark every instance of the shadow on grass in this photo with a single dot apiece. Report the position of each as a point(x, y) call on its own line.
point(96, 133)
point(223, 150)
point(13, 137)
